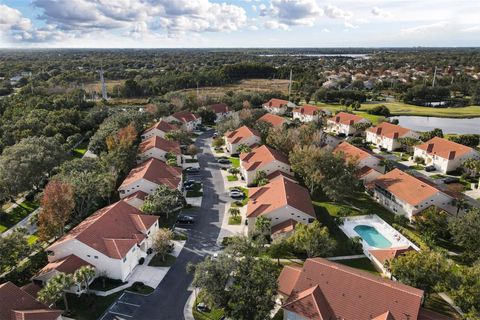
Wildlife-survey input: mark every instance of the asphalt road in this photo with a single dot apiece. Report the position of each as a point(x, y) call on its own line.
point(169, 298)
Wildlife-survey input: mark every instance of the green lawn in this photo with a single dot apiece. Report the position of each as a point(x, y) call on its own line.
point(32, 239)
point(232, 178)
point(244, 201)
point(235, 162)
point(110, 284)
point(157, 261)
point(362, 264)
point(235, 220)
point(213, 314)
point(17, 214)
point(139, 287)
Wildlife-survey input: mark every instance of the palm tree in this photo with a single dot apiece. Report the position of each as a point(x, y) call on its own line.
point(83, 275)
point(234, 211)
point(461, 204)
point(243, 148)
point(49, 294)
point(57, 285)
point(472, 166)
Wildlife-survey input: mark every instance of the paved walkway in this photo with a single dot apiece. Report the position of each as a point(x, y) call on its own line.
point(24, 223)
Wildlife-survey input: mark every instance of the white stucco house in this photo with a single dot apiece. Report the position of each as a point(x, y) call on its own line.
point(283, 202)
point(148, 175)
point(188, 120)
point(407, 195)
point(265, 159)
point(159, 129)
point(307, 113)
point(343, 123)
point(243, 135)
point(221, 111)
point(277, 106)
point(386, 135)
point(158, 148)
point(444, 154)
point(113, 240)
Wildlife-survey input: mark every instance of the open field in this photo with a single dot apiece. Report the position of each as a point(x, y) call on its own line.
point(403, 109)
point(96, 86)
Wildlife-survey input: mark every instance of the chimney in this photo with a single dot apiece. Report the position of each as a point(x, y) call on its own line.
point(395, 135)
point(430, 147)
point(337, 119)
point(379, 131)
point(451, 155)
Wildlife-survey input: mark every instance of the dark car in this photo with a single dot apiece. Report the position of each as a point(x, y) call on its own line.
point(192, 170)
point(224, 161)
point(185, 219)
point(449, 180)
point(430, 168)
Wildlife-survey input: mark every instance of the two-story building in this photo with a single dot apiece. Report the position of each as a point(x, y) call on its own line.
point(282, 201)
point(187, 120)
point(221, 110)
point(344, 123)
point(277, 106)
point(443, 154)
point(386, 135)
point(407, 195)
point(307, 113)
point(158, 148)
point(273, 119)
point(243, 135)
point(159, 129)
point(148, 175)
point(368, 164)
point(114, 239)
point(265, 159)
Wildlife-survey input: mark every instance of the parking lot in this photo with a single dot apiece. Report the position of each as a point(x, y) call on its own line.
point(124, 307)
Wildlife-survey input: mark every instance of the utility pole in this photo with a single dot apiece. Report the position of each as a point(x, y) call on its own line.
point(290, 84)
point(104, 86)
point(434, 77)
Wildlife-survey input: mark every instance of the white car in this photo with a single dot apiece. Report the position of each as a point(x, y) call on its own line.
point(236, 194)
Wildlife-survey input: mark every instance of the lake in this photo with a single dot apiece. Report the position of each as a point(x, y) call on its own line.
point(448, 125)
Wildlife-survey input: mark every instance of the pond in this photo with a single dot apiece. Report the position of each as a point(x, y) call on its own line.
point(448, 125)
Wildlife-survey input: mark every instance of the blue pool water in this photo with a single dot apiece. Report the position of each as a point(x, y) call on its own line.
point(372, 236)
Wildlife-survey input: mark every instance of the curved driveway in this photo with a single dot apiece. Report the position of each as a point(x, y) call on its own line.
point(169, 298)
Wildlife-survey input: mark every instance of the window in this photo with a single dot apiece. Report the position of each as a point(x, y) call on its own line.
point(88, 255)
point(96, 257)
point(50, 253)
point(134, 248)
point(124, 259)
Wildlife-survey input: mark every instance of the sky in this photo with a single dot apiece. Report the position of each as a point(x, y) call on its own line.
point(238, 23)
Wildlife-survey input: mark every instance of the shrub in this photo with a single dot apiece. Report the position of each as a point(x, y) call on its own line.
point(380, 111)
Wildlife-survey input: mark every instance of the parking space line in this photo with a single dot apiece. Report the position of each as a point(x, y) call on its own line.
point(120, 314)
point(130, 304)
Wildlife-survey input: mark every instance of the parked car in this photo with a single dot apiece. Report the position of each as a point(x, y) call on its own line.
point(236, 194)
point(236, 189)
point(189, 182)
point(215, 134)
point(184, 219)
point(430, 168)
point(224, 161)
point(202, 307)
point(192, 170)
point(449, 180)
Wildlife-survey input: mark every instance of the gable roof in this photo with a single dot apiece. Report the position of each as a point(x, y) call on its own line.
point(261, 156)
point(240, 134)
point(352, 152)
point(389, 130)
point(406, 187)
point(136, 195)
point(283, 227)
point(273, 119)
point(184, 116)
point(307, 109)
point(383, 255)
point(17, 304)
point(112, 230)
point(219, 107)
point(280, 174)
point(346, 118)
point(163, 126)
point(69, 264)
point(444, 148)
point(310, 304)
point(155, 171)
point(276, 103)
point(288, 278)
point(277, 194)
point(350, 294)
point(160, 143)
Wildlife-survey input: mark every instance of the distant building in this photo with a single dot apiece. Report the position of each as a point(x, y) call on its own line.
point(273, 119)
point(158, 148)
point(343, 123)
point(368, 164)
point(188, 120)
point(277, 106)
point(243, 135)
point(386, 135)
point(307, 113)
point(159, 129)
point(221, 111)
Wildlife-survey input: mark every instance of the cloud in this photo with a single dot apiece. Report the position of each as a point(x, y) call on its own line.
point(12, 19)
point(376, 11)
point(334, 12)
point(426, 28)
point(286, 13)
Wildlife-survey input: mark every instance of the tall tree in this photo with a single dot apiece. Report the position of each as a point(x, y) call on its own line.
point(55, 289)
point(260, 178)
point(57, 206)
point(163, 200)
point(84, 275)
point(314, 239)
point(193, 150)
point(162, 241)
point(464, 230)
point(465, 289)
point(13, 248)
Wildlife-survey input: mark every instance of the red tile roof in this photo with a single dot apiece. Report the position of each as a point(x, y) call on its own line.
point(307, 109)
point(219, 108)
point(184, 116)
point(389, 130)
point(383, 255)
point(346, 118)
point(260, 157)
point(136, 195)
point(288, 278)
point(163, 126)
point(328, 290)
point(444, 148)
point(240, 134)
point(276, 103)
point(113, 230)
point(273, 119)
point(406, 187)
point(277, 194)
point(283, 227)
point(69, 264)
point(17, 304)
point(279, 174)
point(352, 152)
point(155, 171)
point(160, 143)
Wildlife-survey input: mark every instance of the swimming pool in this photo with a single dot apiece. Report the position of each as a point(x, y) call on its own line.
point(372, 236)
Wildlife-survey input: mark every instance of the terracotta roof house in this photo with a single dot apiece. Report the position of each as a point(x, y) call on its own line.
point(277, 106)
point(381, 256)
point(280, 174)
point(386, 135)
point(16, 304)
point(365, 160)
point(159, 129)
point(443, 154)
point(322, 289)
point(158, 148)
point(307, 113)
point(343, 123)
point(187, 119)
point(404, 194)
point(113, 240)
point(265, 159)
point(243, 135)
point(280, 200)
point(273, 119)
point(221, 110)
point(147, 176)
